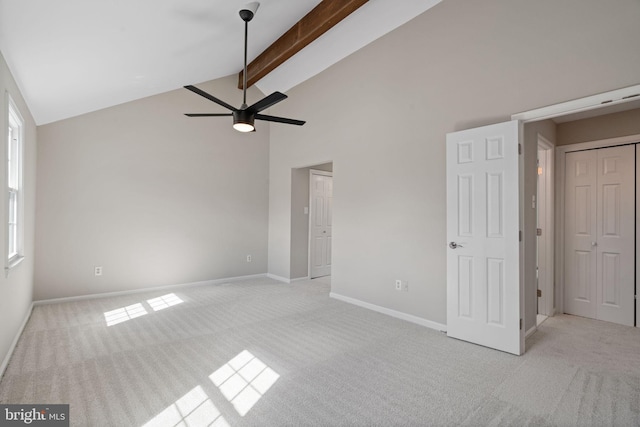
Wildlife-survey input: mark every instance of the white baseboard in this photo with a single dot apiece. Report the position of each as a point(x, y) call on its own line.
point(12, 347)
point(151, 289)
point(531, 331)
point(278, 278)
point(299, 279)
point(393, 313)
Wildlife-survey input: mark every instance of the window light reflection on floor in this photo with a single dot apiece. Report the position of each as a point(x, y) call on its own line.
point(164, 301)
point(244, 380)
point(123, 314)
point(193, 409)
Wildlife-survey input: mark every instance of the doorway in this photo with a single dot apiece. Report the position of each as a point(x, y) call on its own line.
point(476, 289)
point(598, 238)
point(545, 230)
point(300, 214)
point(320, 222)
point(612, 120)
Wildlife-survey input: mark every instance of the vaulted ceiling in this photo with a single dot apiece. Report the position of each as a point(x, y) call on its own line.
point(71, 57)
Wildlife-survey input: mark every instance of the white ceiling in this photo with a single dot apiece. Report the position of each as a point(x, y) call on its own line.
point(71, 57)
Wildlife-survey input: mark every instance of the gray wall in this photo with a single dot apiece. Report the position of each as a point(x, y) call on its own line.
point(382, 114)
point(300, 220)
point(592, 129)
point(16, 289)
point(152, 196)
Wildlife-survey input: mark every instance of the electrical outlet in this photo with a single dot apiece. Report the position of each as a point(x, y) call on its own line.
point(248, 258)
point(405, 286)
point(97, 271)
point(398, 285)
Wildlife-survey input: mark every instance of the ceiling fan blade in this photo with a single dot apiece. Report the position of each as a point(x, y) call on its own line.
point(279, 120)
point(267, 102)
point(208, 114)
point(210, 97)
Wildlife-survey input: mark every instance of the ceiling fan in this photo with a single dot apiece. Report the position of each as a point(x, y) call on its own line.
point(244, 117)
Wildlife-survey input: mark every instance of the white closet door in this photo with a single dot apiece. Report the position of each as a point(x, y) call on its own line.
point(599, 234)
point(615, 234)
point(580, 234)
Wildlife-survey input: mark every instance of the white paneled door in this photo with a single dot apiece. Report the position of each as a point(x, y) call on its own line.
point(484, 286)
point(320, 223)
point(600, 234)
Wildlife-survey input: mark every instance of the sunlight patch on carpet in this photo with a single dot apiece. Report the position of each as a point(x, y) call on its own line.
point(165, 301)
point(193, 409)
point(123, 314)
point(244, 380)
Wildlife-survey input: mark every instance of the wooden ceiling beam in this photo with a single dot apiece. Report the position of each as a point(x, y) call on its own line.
point(314, 24)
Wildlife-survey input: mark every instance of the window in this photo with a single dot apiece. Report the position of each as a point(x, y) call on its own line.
point(15, 196)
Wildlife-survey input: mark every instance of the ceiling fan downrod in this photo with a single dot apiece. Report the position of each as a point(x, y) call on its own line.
point(247, 14)
point(245, 116)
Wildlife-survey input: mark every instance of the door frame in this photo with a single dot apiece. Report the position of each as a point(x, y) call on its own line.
point(637, 236)
point(311, 210)
point(595, 102)
point(561, 152)
point(548, 297)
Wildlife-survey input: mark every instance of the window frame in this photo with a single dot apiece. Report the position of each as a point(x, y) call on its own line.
point(14, 186)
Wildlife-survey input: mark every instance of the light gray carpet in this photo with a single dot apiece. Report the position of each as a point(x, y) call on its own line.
point(262, 353)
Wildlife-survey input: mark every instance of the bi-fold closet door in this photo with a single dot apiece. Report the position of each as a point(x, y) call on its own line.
point(599, 223)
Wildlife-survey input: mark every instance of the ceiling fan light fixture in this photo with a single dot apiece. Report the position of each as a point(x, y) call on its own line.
point(243, 127)
point(243, 121)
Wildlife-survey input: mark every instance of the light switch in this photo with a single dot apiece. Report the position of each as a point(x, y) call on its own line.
point(306, 210)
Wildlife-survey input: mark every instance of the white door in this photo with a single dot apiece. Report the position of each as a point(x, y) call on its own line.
point(599, 234)
point(321, 191)
point(580, 234)
point(485, 295)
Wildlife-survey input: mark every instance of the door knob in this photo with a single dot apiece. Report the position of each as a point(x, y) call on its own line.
point(454, 245)
point(594, 243)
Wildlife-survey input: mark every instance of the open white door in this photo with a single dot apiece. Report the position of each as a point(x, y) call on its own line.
point(485, 292)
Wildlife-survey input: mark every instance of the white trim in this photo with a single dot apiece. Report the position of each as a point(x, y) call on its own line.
point(637, 288)
point(14, 115)
point(531, 331)
point(393, 313)
point(299, 279)
point(559, 253)
point(14, 343)
point(319, 172)
point(601, 143)
point(141, 290)
point(521, 246)
point(577, 105)
point(278, 278)
point(561, 152)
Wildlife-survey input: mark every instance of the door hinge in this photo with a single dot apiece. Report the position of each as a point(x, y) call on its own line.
point(520, 235)
point(539, 293)
point(520, 324)
point(519, 148)
point(539, 231)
